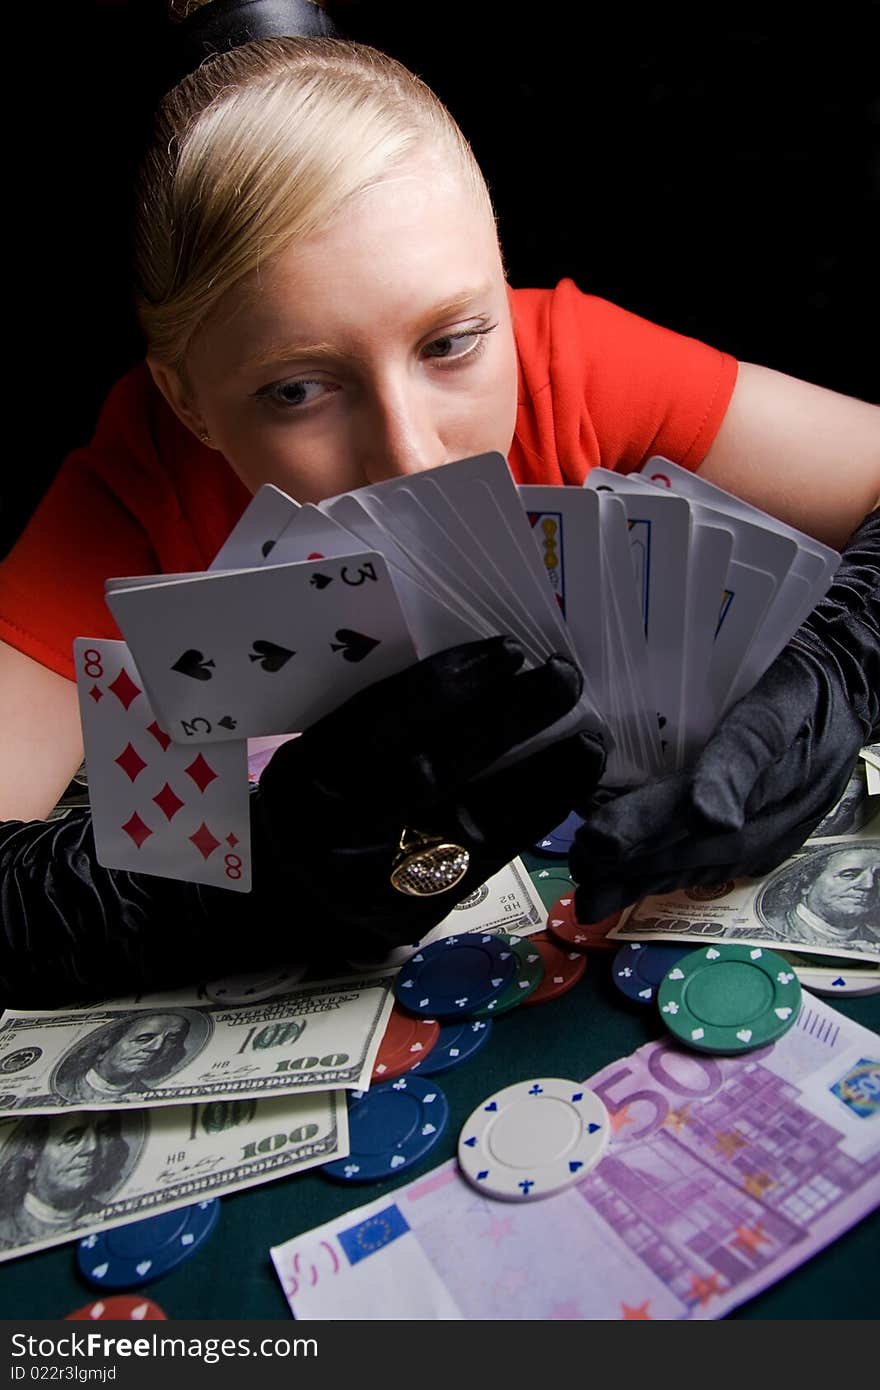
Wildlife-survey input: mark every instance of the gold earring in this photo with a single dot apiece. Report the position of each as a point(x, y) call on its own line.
point(205, 437)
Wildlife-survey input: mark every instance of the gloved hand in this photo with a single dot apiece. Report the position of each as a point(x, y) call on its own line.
point(408, 753)
point(325, 825)
point(774, 767)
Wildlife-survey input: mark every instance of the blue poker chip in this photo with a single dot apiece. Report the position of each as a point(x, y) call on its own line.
point(453, 977)
point(457, 1043)
point(638, 967)
point(390, 1127)
point(139, 1251)
point(560, 840)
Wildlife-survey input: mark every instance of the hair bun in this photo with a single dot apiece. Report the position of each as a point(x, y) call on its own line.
point(225, 24)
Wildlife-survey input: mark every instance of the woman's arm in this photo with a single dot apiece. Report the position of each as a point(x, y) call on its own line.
point(806, 455)
point(40, 736)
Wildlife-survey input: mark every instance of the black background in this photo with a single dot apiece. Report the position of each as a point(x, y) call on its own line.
point(713, 171)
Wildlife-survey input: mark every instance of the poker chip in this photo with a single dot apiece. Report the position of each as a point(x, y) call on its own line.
point(562, 969)
point(405, 1042)
point(827, 983)
point(560, 840)
point(457, 1043)
point(390, 1127)
point(533, 1139)
point(552, 884)
point(129, 1255)
point(262, 984)
point(529, 974)
point(563, 925)
point(454, 977)
point(119, 1307)
point(729, 998)
point(638, 967)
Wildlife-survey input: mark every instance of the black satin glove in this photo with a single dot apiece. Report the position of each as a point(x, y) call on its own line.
point(325, 826)
point(409, 753)
point(775, 766)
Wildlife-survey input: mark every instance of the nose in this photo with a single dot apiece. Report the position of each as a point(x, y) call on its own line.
point(401, 433)
point(88, 1140)
point(868, 880)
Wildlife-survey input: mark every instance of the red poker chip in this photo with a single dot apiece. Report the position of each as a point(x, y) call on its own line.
point(407, 1040)
point(563, 925)
point(119, 1307)
point(562, 969)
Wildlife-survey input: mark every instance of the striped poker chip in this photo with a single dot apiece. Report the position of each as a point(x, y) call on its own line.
point(563, 926)
point(405, 1042)
point(119, 1307)
point(528, 976)
point(563, 967)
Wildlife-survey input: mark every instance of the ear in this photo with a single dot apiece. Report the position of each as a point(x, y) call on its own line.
point(178, 396)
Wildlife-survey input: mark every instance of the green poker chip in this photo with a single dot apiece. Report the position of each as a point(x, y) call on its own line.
point(552, 883)
point(529, 974)
point(729, 999)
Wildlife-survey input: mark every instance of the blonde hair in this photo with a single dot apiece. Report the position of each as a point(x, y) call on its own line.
point(259, 148)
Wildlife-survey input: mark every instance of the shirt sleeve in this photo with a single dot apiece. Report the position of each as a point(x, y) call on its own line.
point(625, 388)
point(52, 581)
point(99, 518)
point(599, 386)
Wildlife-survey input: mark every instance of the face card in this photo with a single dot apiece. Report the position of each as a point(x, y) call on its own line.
point(266, 651)
point(250, 542)
point(564, 523)
point(514, 557)
point(157, 807)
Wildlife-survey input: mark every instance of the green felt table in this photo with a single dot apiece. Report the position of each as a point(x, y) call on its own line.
point(231, 1275)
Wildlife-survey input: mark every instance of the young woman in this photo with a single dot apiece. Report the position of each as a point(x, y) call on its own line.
point(325, 305)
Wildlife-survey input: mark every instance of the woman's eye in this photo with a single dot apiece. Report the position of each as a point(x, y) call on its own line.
point(293, 393)
point(455, 344)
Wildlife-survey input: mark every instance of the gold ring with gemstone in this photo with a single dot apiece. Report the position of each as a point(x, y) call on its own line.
point(427, 864)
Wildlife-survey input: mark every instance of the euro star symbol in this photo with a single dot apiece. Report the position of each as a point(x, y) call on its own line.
point(637, 1314)
point(727, 1144)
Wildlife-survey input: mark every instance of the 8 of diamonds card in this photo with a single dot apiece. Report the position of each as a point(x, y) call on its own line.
point(157, 807)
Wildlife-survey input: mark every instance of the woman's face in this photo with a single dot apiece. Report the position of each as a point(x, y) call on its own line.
point(380, 347)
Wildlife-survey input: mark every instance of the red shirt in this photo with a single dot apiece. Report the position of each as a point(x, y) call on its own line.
point(597, 386)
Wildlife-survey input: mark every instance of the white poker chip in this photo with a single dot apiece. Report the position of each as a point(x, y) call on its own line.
point(262, 984)
point(533, 1139)
point(827, 983)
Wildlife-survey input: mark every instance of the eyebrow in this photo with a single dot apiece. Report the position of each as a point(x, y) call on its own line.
point(287, 352)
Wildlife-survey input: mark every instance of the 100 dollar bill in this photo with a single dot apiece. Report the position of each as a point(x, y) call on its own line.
point(68, 1175)
point(321, 1037)
point(824, 900)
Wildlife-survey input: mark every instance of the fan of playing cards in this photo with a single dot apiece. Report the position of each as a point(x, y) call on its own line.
point(671, 595)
